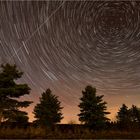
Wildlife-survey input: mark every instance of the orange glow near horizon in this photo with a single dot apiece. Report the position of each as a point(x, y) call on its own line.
point(67, 118)
point(70, 111)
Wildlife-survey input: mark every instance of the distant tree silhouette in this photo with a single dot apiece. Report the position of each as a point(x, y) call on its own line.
point(48, 111)
point(10, 92)
point(135, 114)
point(123, 117)
point(135, 117)
point(93, 109)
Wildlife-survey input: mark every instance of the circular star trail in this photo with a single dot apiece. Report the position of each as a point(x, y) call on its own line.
point(67, 45)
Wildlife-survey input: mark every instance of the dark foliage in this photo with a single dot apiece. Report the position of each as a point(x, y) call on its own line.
point(93, 109)
point(48, 111)
point(128, 118)
point(10, 92)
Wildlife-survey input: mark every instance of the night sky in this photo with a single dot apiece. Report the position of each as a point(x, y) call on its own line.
point(66, 45)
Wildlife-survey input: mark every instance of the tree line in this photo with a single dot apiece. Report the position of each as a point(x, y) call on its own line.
point(48, 112)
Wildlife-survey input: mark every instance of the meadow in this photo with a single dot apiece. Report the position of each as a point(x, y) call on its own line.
point(74, 133)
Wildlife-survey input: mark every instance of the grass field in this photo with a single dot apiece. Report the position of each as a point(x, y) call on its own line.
point(38, 133)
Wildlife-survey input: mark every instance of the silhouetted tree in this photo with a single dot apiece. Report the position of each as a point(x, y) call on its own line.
point(93, 109)
point(48, 111)
point(123, 117)
point(135, 114)
point(10, 92)
point(135, 117)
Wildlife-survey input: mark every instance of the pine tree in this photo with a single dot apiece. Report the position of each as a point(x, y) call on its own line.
point(135, 114)
point(10, 92)
point(123, 117)
point(93, 109)
point(48, 111)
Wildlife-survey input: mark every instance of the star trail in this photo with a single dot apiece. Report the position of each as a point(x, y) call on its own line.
point(66, 45)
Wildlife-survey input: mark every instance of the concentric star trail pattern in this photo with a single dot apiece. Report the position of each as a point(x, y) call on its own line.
point(66, 45)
